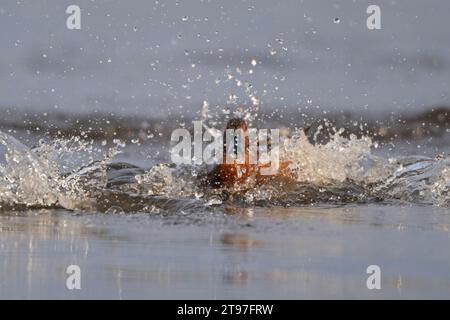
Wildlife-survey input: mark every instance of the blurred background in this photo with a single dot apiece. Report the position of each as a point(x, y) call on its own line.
point(147, 60)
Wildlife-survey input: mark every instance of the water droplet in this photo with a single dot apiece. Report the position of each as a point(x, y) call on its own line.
point(337, 20)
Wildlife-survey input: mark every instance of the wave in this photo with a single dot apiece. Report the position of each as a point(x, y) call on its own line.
point(63, 173)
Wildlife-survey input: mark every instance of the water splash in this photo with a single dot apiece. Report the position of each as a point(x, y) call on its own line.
point(68, 174)
point(26, 178)
point(38, 177)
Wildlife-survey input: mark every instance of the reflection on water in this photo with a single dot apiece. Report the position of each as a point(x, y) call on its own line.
point(278, 253)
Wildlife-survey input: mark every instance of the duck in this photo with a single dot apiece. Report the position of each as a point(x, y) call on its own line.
point(235, 173)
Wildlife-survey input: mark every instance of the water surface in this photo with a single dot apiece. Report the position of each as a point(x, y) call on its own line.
point(253, 253)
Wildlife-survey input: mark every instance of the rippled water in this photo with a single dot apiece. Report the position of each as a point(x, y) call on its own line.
point(234, 253)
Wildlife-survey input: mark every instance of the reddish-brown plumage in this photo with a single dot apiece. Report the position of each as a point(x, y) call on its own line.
point(230, 174)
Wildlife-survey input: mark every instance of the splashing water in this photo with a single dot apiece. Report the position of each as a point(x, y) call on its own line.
point(37, 178)
point(64, 173)
point(26, 178)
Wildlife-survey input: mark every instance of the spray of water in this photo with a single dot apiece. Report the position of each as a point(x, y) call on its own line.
point(66, 173)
